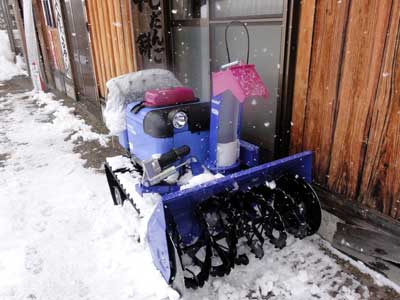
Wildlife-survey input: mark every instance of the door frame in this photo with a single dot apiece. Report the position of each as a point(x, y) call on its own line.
point(284, 111)
point(75, 68)
point(290, 21)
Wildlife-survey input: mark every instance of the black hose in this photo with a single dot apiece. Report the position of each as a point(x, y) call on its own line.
point(226, 39)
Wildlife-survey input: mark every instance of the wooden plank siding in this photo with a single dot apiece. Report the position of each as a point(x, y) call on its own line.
point(108, 33)
point(381, 176)
point(95, 48)
point(361, 67)
point(346, 105)
point(99, 47)
point(119, 41)
point(111, 40)
point(327, 43)
point(127, 26)
point(56, 48)
point(303, 59)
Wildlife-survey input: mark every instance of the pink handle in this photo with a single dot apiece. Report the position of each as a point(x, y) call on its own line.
point(171, 96)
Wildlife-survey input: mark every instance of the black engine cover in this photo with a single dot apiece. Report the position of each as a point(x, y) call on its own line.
point(158, 123)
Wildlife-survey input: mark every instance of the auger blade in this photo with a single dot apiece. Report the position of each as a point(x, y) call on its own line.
point(257, 220)
point(242, 220)
point(285, 206)
point(196, 268)
point(222, 239)
point(305, 199)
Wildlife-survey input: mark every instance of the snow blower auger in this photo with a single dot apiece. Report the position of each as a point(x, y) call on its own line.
point(203, 230)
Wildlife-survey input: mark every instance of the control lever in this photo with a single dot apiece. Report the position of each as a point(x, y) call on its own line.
point(156, 170)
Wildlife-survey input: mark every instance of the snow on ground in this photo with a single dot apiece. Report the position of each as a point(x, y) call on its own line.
point(63, 239)
point(299, 271)
point(9, 69)
point(60, 234)
point(65, 121)
point(130, 87)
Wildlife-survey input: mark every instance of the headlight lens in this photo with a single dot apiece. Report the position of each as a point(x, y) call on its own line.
point(179, 120)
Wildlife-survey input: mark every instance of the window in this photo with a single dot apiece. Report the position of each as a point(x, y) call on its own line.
point(250, 8)
point(190, 44)
point(48, 13)
point(198, 49)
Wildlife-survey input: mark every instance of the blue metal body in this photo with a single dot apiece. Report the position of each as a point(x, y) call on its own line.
point(249, 154)
point(180, 205)
point(203, 144)
point(214, 121)
point(142, 146)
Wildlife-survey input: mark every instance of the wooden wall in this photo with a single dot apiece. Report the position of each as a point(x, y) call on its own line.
point(346, 104)
point(111, 35)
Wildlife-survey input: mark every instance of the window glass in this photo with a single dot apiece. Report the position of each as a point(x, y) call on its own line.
point(259, 116)
point(48, 13)
point(191, 58)
point(188, 9)
point(243, 8)
point(199, 49)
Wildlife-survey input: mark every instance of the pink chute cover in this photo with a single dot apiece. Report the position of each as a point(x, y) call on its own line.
point(243, 81)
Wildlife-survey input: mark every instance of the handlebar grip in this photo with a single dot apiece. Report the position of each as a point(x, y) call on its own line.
point(172, 156)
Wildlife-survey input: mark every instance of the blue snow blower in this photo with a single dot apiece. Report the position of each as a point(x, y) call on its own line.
point(206, 230)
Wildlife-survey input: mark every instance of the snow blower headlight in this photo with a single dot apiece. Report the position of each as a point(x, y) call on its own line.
point(179, 120)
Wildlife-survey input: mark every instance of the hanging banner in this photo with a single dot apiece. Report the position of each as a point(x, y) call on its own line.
point(149, 32)
point(63, 39)
point(32, 47)
point(69, 83)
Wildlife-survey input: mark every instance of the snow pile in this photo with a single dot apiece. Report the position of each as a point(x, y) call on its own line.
point(188, 180)
point(271, 184)
point(60, 233)
point(134, 225)
point(66, 121)
point(131, 87)
point(9, 68)
point(299, 271)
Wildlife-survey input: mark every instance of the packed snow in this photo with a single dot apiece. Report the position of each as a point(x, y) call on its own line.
point(61, 236)
point(65, 121)
point(129, 88)
point(187, 180)
point(11, 65)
